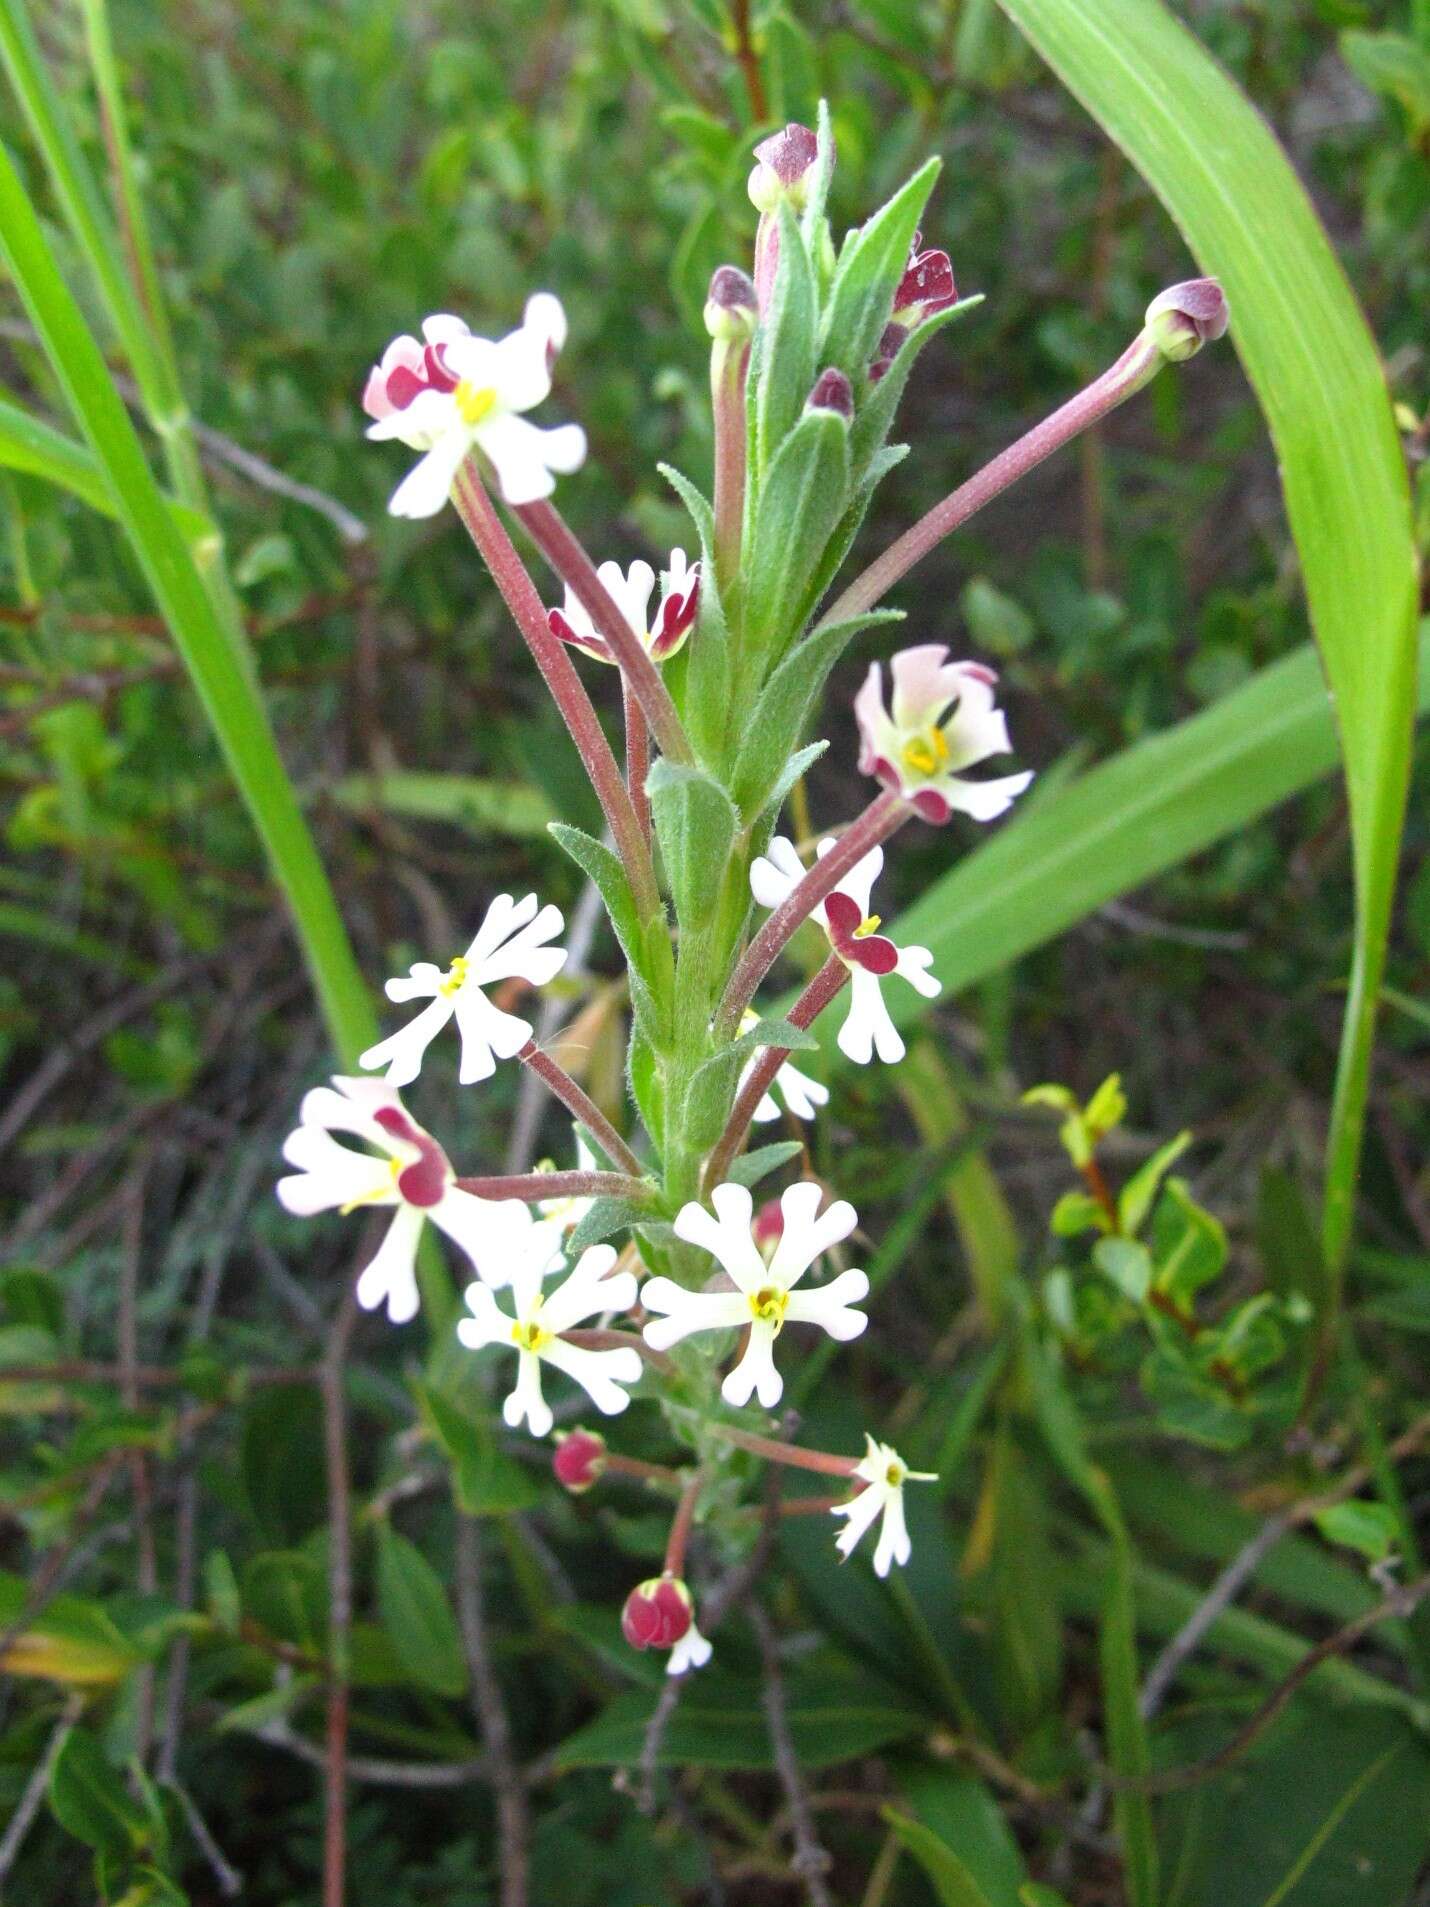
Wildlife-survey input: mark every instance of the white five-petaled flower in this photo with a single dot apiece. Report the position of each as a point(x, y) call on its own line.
point(941, 721)
point(534, 1331)
point(411, 1174)
point(631, 593)
point(510, 942)
point(884, 1474)
point(692, 1651)
point(803, 1095)
point(766, 1297)
point(452, 392)
point(853, 935)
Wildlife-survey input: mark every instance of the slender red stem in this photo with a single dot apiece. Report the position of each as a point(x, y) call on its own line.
point(581, 1105)
point(1120, 381)
point(509, 573)
point(637, 757)
point(827, 1462)
point(563, 550)
point(594, 1338)
point(639, 1470)
point(535, 1186)
point(885, 814)
point(679, 1537)
point(823, 988)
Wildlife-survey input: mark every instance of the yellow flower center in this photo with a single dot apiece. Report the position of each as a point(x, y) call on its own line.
point(894, 1476)
point(869, 925)
point(474, 403)
point(532, 1335)
point(925, 753)
point(768, 1306)
point(380, 1191)
point(456, 977)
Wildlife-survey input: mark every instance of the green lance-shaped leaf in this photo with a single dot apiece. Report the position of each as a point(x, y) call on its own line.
point(417, 1616)
point(712, 1087)
point(773, 731)
point(804, 496)
point(1213, 161)
point(90, 1800)
point(870, 266)
point(786, 344)
point(953, 1884)
point(758, 1164)
point(696, 824)
point(645, 946)
point(227, 690)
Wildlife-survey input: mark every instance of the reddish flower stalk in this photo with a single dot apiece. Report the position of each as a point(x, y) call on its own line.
point(484, 526)
point(533, 1186)
point(595, 1338)
point(581, 1106)
point(563, 551)
point(823, 988)
point(1120, 381)
point(637, 756)
point(639, 1470)
point(827, 1462)
point(679, 1537)
point(886, 813)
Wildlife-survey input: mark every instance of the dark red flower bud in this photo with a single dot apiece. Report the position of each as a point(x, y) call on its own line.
point(657, 1613)
point(926, 287)
point(832, 392)
point(781, 162)
point(730, 305)
point(579, 1460)
point(769, 1226)
point(889, 343)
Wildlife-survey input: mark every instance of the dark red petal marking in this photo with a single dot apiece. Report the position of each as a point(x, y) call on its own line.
point(875, 953)
point(843, 916)
point(424, 1181)
point(394, 1120)
point(931, 806)
point(403, 385)
point(927, 285)
point(435, 365)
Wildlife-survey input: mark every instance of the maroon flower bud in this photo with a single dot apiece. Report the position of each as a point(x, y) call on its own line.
point(769, 1227)
point(657, 1613)
point(781, 162)
point(926, 287)
point(892, 338)
point(579, 1460)
point(730, 307)
point(832, 392)
point(1185, 317)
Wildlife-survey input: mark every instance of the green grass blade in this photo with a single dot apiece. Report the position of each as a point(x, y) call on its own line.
point(38, 449)
point(229, 695)
point(1215, 165)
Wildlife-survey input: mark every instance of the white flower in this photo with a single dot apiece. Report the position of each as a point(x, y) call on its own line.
point(853, 934)
point(765, 1298)
point(412, 1174)
point(631, 592)
point(918, 747)
point(534, 1331)
point(884, 1474)
point(456, 392)
point(692, 1651)
point(510, 941)
point(803, 1095)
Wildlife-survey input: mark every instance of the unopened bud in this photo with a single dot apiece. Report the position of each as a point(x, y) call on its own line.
point(890, 342)
point(927, 286)
point(730, 307)
point(579, 1460)
point(781, 162)
point(768, 1228)
point(1183, 318)
point(832, 392)
point(657, 1613)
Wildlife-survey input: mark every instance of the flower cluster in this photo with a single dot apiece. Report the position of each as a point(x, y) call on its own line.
point(719, 683)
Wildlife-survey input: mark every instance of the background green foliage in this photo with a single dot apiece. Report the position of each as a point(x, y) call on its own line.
point(316, 178)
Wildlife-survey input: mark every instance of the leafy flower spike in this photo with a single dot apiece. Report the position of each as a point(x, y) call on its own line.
point(631, 592)
point(884, 1474)
point(853, 935)
point(942, 720)
point(534, 1332)
point(803, 1095)
point(454, 392)
point(510, 943)
point(412, 1173)
point(765, 1298)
